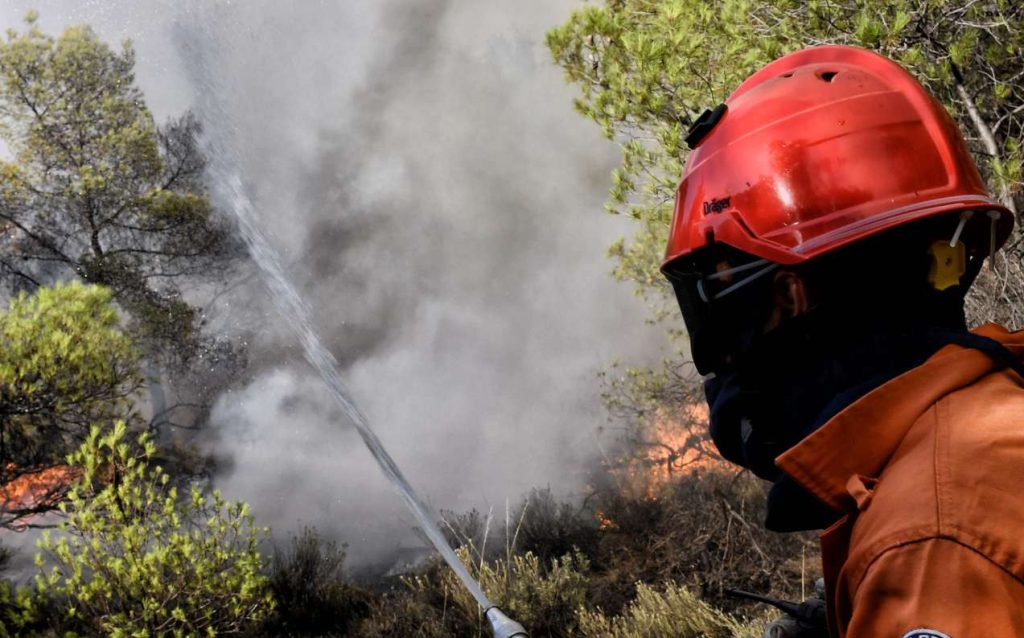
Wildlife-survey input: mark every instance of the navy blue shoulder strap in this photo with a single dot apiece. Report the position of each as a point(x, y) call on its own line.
point(995, 350)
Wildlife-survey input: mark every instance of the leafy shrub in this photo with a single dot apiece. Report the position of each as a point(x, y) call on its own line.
point(674, 613)
point(64, 365)
point(134, 559)
point(20, 611)
point(312, 598)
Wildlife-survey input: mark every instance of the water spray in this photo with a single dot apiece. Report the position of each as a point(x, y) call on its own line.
point(296, 312)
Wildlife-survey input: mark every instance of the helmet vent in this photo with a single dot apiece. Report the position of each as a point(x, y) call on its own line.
point(787, 75)
point(828, 75)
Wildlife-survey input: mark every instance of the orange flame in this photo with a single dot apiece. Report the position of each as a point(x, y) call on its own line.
point(31, 493)
point(673, 446)
point(604, 522)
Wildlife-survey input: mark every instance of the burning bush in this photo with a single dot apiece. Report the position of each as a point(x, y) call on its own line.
point(34, 492)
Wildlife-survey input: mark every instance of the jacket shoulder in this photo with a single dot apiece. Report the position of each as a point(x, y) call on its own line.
point(980, 466)
point(958, 474)
point(936, 583)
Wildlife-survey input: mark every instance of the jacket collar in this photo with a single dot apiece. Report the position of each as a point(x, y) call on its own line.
point(862, 438)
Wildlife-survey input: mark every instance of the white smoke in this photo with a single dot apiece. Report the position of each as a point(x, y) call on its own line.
point(420, 166)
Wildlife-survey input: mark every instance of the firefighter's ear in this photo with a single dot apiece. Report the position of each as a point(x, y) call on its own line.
point(789, 292)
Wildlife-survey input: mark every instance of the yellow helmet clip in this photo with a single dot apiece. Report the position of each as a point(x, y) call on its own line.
point(949, 263)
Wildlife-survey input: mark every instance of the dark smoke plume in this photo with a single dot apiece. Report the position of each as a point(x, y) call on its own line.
point(420, 167)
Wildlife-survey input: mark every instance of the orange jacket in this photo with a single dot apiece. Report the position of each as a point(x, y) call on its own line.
point(929, 468)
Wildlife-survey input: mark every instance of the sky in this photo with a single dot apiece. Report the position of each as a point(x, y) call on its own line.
point(420, 168)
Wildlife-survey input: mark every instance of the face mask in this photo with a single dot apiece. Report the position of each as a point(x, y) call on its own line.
point(795, 378)
point(758, 406)
point(734, 410)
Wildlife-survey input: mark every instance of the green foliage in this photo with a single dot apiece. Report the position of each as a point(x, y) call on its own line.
point(639, 394)
point(63, 366)
point(310, 593)
point(647, 68)
point(673, 613)
point(135, 559)
point(96, 190)
point(63, 359)
point(19, 611)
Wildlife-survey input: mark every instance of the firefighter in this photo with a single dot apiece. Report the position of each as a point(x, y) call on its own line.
point(828, 225)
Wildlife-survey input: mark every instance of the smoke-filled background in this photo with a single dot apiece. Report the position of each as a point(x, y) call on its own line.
point(420, 168)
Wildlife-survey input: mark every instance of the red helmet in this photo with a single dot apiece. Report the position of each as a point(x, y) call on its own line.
point(821, 148)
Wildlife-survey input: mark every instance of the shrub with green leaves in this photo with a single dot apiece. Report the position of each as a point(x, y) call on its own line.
point(64, 365)
point(133, 558)
point(19, 611)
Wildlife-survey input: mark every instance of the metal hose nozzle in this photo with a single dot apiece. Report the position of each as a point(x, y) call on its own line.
point(503, 626)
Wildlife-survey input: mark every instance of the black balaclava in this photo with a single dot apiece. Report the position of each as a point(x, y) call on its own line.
point(876, 319)
point(795, 379)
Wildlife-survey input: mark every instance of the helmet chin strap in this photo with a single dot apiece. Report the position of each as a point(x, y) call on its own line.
point(994, 216)
point(964, 218)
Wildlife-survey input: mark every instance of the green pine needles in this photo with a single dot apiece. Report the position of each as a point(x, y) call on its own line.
point(646, 69)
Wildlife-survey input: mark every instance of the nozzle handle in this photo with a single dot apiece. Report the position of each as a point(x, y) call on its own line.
point(811, 613)
point(793, 609)
point(503, 626)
